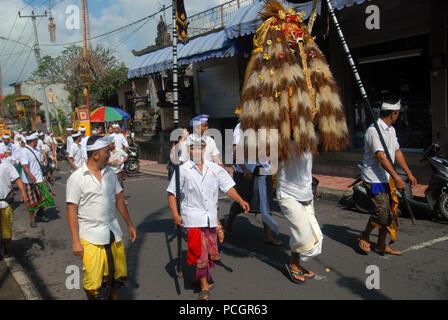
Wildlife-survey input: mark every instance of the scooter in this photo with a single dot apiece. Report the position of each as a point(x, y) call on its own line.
point(61, 151)
point(434, 203)
point(132, 165)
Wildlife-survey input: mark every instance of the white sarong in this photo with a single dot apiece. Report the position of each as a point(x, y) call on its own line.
point(306, 236)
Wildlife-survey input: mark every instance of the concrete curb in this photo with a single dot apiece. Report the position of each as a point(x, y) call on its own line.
point(29, 290)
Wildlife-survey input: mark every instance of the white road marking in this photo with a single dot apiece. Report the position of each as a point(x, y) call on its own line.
point(426, 244)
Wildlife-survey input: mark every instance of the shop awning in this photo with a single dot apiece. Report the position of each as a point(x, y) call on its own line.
point(214, 45)
point(246, 21)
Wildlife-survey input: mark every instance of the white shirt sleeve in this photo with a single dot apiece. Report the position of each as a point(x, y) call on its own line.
point(73, 191)
point(125, 141)
point(23, 157)
point(72, 151)
point(237, 134)
point(172, 186)
point(373, 140)
point(225, 181)
point(118, 187)
point(212, 145)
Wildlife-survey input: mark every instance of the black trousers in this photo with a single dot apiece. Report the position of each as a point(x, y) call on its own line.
point(245, 190)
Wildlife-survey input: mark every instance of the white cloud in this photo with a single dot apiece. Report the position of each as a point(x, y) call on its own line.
point(111, 15)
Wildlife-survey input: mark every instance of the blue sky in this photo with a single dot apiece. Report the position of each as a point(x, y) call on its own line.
point(17, 61)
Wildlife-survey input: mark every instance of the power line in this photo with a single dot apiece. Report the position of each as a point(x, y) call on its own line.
point(9, 34)
point(18, 40)
point(110, 32)
point(23, 68)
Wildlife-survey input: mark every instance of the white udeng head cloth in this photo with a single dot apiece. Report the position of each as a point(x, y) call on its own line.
point(391, 107)
point(99, 144)
point(33, 136)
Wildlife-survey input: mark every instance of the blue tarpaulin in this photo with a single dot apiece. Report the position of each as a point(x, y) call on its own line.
point(214, 45)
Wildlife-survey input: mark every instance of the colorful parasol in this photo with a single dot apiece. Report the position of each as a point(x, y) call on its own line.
point(105, 113)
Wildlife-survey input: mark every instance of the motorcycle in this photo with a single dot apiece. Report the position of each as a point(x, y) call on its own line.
point(61, 151)
point(132, 165)
point(434, 203)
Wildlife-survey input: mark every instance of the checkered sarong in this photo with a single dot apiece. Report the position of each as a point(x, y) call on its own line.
point(34, 196)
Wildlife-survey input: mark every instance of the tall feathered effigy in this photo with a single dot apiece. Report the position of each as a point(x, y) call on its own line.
point(296, 96)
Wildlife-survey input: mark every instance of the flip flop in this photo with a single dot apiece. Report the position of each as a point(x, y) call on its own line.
point(291, 277)
point(306, 272)
point(274, 242)
point(361, 247)
point(204, 295)
point(390, 251)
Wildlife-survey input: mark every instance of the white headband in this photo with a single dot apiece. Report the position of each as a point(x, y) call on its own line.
point(6, 136)
point(69, 129)
point(76, 135)
point(33, 136)
point(99, 144)
point(82, 129)
point(392, 107)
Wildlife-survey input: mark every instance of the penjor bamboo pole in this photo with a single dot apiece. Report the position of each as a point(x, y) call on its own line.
point(367, 106)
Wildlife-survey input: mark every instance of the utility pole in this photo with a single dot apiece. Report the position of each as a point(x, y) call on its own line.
point(37, 55)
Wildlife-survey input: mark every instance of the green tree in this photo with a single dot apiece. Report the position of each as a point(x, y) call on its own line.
point(59, 70)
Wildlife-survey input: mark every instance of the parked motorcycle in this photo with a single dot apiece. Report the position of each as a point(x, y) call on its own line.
point(434, 203)
point(61, 151)
point(132, 165)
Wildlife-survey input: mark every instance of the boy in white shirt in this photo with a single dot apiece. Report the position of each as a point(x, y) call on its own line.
point(199, 183)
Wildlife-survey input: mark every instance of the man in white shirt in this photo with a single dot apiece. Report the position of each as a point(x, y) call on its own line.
point(378, 175)
point(244, 178)
point(199, 184)
point(93, 193)
point(295, 198)
point(116, 161)
point(19, 136)
point(120, 140)
point(8, 175)
point(83, 142)
point(37, 191)
point(69, 140)
point(6, 143)
point(200, 126)
point(75, 155)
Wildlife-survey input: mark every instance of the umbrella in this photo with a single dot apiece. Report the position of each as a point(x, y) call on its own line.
point(103, 114)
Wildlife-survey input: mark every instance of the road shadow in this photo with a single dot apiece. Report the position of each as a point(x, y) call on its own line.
point(344, 235)
point(355, 285)
point(52, 213)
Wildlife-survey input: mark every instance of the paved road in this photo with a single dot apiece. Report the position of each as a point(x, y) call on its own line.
point(250, 269)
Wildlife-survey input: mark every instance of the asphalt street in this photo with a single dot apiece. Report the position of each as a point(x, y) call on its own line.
point(250, 269)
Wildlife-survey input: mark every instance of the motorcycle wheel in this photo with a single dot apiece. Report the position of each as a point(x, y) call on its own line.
point(362, 202)
point(443, 206)
point(132, 167)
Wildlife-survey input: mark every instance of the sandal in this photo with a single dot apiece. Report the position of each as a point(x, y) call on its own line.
point(363, 245)
point(308, 274)
point(291, 277)
point(274, 242)
point(389, 250)
point(204, 295)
